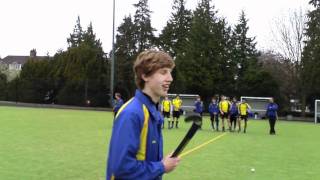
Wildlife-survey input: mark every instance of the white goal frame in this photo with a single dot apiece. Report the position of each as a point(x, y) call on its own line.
point(316, 113)
point(255, 98)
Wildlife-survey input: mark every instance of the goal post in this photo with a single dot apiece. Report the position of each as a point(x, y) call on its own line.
point(258, 105)
point(316, 111)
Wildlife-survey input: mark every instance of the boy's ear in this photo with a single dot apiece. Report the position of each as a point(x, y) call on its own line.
point(144, 77)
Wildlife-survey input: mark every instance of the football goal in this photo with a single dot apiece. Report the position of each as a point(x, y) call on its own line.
point(258, 105)
point(317, 111)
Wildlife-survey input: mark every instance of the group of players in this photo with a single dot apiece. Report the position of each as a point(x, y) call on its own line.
point(233, 112)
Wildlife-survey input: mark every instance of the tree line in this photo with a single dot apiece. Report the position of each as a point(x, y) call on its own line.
point(212, 57)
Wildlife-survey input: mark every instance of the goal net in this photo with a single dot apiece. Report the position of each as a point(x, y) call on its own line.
point(258, 105)
point(317, 111)
point(187, 101)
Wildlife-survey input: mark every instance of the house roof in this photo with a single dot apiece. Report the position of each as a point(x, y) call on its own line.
point(18, 59)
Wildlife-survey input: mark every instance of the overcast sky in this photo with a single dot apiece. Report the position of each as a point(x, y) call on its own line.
point(46, 24)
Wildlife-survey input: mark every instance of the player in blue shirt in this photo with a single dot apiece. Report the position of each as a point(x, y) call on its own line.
point(198, 104)
point(118, 102)
point(234, 113)
point(136, 147)
point(214, 113)
point(272, 115)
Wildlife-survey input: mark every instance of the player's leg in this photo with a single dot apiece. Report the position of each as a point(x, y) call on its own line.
point(216, 118)
point(168, 119)
point(273, 122)
point(235, 123)
point(270, 124)
point(176, 117)
point(222, 122)
point(212, 121)
point(245, 124)
point(177, 122)
point(231, 119)
point(229, 122)
point(274, 125)
point(172, 120)
point(239, 124)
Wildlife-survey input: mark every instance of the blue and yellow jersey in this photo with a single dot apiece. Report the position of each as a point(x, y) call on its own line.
point(224, 106)
point(244, 108)
point(166, 105)
point(177, 103)
point(135, 150)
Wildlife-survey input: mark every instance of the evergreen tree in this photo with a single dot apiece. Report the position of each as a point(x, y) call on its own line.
point(3, 86)
point(34, 80)
point(244, 47)
point(174, 37)
point(204, 56)
point(244, 58)
point(80, 73)
point(143, 29)
point(311, 56)
point(89, 38)
point(76, 37)
point(125, 56)
point(175, 33)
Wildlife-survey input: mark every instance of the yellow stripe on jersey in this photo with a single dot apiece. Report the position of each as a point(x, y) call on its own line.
point(123, 106)
point(141, 155)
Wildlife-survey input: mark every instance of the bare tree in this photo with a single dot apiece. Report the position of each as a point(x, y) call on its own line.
point(288, 35)
point(288, 40)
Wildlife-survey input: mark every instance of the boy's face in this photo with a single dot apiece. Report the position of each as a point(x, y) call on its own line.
point(159, 82)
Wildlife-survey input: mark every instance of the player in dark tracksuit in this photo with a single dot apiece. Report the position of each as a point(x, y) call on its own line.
point(214, 113)
point(272, 109)
point(118, 102)
point(233, 114)
point(198, 104)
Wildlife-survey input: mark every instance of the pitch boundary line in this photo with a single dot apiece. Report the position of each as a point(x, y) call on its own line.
point(202, 145)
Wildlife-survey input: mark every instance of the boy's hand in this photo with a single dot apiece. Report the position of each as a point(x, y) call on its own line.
point(170, 163)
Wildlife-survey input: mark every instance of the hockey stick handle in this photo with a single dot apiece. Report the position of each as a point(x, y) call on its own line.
point(192, 131)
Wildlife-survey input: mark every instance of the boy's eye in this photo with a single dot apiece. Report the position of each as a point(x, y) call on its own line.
point(163, 71)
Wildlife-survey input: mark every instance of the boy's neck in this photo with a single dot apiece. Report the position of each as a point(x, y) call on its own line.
point(155, 99)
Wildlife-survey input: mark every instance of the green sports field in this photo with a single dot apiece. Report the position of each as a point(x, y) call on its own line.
point(72, 144)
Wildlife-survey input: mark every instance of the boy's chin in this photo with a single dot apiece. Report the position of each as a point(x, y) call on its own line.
point(164, 93)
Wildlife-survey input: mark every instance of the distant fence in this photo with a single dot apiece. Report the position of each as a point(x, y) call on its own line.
point(55, 106)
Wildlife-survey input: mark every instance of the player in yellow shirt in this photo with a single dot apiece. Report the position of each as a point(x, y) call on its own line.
point(244, 109)
point(176, 103)
point(166, 109)
point(224, 106)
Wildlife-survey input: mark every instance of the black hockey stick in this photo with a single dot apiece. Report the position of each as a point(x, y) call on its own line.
point(196, 119)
